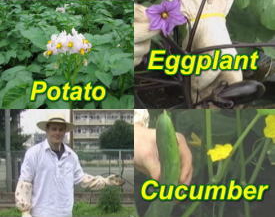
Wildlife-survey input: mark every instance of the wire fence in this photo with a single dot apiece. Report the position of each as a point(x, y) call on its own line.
point(94, 162)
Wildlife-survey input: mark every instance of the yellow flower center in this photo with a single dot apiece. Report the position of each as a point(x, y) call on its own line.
point(49, 41)
point(164, 15)
point(70, 44)
point(49, 52)
point(82, 51)
point(85, 41)
point(59, 45)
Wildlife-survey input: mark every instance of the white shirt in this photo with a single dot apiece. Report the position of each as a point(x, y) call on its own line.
point(52, 180)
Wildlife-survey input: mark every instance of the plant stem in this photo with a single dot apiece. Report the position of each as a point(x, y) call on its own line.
point(221, 209)
point(242, 161)
point(222, 206)
point(255, 151)
point(240, 140)
point(241, 151)
point(218, 177)
point(191, 209)
point(247, 212)
point(260, 162)
point(208, 128)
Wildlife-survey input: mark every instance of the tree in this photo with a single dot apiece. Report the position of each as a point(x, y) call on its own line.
point(118, 136)
point(17, 139)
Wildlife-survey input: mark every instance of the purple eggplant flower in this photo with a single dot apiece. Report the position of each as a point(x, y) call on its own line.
point(165, 16)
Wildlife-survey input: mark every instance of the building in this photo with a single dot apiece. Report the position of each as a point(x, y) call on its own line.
point(35, 139)
point(39, 137)
point(90, 123)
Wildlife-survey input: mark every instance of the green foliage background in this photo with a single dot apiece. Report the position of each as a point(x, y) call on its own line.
point(17, 139)
point(80, 209)
point(25, 28)
point(253, 21)
point(110, 199)
point(118, 136)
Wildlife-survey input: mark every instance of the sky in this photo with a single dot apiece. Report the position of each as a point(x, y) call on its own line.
point(30, 117)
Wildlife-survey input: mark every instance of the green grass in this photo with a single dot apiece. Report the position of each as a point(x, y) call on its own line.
point(81, 209)
point(13, 212)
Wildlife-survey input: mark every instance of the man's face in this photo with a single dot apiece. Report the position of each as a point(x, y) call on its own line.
point(55, 133)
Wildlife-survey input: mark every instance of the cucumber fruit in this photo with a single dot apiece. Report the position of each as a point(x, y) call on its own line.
point(169, 161)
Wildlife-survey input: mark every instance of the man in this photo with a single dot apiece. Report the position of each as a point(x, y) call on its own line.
point(49, 172)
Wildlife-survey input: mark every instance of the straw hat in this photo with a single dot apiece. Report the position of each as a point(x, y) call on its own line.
point(55, 119)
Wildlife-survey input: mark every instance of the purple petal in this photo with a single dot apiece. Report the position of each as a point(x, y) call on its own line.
point(165, 28)
point(167, 25)
point(159, 26)
point(155, 9)
point(170, 28)
point(178, 19)
point(169, 6)
point(156, 23)
point(152, 17)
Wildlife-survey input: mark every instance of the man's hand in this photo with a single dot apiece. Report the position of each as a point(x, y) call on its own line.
point(99, 182)
point(23, 195)
point(146, 154)
point(211, 31)
point(142, 34)
point(115, 180)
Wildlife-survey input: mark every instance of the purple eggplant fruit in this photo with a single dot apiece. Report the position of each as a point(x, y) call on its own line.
point(227, 96)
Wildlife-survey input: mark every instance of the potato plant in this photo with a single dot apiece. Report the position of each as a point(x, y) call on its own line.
point(27, 26)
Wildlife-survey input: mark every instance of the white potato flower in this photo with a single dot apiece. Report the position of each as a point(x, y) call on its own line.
point(68, 44)
point(61, 10)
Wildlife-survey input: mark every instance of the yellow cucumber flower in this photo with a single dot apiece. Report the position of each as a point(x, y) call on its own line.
point(220, 152)
point(269, 130)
